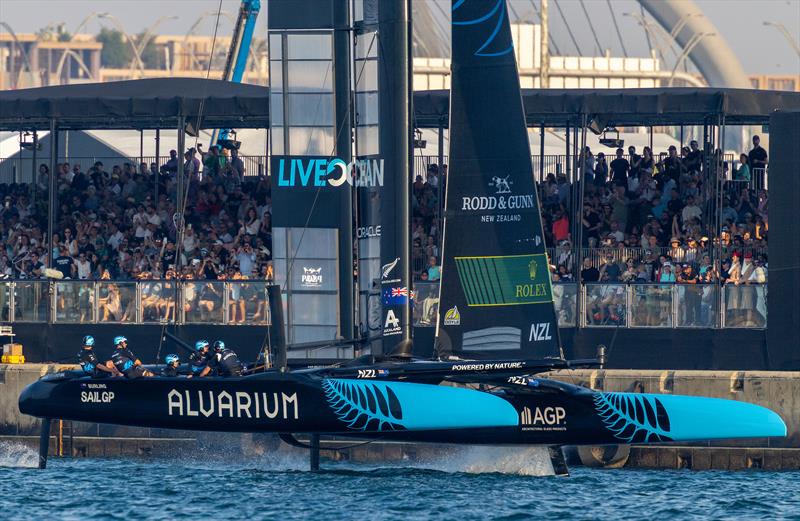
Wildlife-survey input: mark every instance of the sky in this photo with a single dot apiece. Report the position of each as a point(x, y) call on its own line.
point(761, 49)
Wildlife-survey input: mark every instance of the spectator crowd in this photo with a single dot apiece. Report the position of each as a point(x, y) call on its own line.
point(643, 219)
point(110, 224)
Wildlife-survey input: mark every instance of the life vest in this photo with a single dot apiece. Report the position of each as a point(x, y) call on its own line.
point(197, 362)
point(227, 363)
point(123, 359)
point(88, 361)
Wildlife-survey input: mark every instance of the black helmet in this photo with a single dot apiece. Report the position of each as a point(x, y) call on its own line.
point(219, 345)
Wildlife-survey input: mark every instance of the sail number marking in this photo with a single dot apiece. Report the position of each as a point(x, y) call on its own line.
point(540, 332)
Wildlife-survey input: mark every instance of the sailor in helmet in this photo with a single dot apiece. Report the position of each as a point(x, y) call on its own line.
point(173, 362)
point(198, 361)
point(225, 361)
point(125, 361)
point(89, 362)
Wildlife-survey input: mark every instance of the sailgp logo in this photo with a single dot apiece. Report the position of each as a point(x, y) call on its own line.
point(543, 419)
point(321, 172)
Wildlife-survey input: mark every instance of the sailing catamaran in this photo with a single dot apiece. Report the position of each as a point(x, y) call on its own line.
point(497, 329)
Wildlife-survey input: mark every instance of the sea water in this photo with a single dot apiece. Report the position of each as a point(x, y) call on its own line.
point(462, 484)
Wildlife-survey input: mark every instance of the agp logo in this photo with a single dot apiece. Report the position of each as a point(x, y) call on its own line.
point(543, 417)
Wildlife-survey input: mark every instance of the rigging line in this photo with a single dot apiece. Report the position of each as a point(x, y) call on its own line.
point(319, 188)
point(591, 27)
point(616, 26)
point(441, 25)
point(646, 32)
point(180, 223)
point(549, 34)
point(513, 11)
point(569, 30)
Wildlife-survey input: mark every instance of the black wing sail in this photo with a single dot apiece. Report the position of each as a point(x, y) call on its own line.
point(496, 298)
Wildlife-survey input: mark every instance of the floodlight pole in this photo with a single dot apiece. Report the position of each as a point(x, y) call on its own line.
point(786, 34)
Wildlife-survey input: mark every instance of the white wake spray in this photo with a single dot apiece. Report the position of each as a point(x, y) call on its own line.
point(18, 455)
point(480, 459)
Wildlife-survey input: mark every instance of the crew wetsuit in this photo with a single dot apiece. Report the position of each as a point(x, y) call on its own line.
point(169, 371)
point(125, 362)
point(89, 362)
point(226, 363)
point(198, 361)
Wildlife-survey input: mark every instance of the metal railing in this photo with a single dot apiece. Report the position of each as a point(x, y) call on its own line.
point(639, 305)
point(15, 169)
point(20, 170)
point(246, 303)
point(143, 302)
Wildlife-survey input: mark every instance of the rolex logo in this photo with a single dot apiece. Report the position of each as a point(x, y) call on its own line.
point(532, 267)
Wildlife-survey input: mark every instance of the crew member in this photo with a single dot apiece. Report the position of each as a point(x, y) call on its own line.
point(198, 361)
point(224, 361)
point(90, 363)
point(125, 361)
point(173, 362)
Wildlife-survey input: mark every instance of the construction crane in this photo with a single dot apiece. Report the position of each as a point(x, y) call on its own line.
point(236, 61)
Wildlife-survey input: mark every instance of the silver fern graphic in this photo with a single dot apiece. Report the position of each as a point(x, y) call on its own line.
point(387, 268)
point(364, 406)
point(633, 418)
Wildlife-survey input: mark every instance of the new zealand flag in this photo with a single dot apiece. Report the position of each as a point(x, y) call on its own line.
point(395, 296)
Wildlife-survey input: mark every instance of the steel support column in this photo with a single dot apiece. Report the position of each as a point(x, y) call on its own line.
point(52, 191)
point(157, 175)
point(343, 118)
point(180, 196)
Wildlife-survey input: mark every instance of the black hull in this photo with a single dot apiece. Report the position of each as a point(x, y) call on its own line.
point(533, 412)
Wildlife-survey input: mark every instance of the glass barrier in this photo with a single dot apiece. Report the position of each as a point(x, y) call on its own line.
point(248, 303)
point(564, 295)
point(697, 305)
point(745, 306)
point(74, 302)
point(605, 305)
point(6, 288)
point(203, 302)
point(116, 302)
point(31, 301)
point(651, 305)
point(158, 301)
point(426, 305)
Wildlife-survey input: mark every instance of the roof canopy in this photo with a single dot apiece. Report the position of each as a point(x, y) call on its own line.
point(158, 103)
point(136, 104)
point(628, 107)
